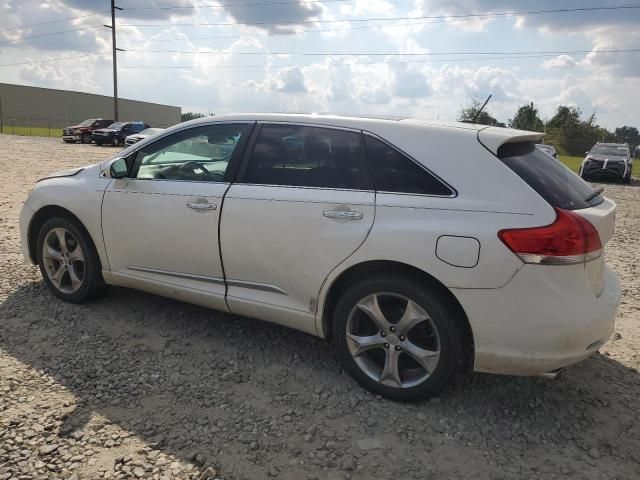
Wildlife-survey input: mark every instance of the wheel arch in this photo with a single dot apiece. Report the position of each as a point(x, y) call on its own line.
point(41, 216)
point(390, 267)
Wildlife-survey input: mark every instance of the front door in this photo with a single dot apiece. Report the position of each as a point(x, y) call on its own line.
point(160, 224)
point(303, 203)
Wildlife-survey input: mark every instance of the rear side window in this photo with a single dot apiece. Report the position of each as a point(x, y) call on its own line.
point(554, 182)
point(301, 156)
point(395, 172)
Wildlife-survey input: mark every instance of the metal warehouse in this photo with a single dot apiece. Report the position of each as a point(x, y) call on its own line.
point(23, 106)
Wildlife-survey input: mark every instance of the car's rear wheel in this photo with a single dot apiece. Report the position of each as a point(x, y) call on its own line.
point(398, 338)
point(68, 261)
point(86, 138)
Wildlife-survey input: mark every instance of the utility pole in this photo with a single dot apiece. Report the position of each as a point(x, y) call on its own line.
point(114, 57)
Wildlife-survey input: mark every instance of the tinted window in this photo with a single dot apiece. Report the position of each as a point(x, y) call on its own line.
point(197, 154)
point(395, 172)
point(553, 181)
point(308, 157)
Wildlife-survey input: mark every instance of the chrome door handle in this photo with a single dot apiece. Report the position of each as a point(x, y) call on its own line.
point(202, 206)
point(343, 214)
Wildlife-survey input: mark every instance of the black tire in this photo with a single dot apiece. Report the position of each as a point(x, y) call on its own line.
point(92, 284)
point(444, 316)
point(115, 142)
point(86, 138)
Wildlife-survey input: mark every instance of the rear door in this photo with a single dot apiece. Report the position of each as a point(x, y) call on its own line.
point(304, 202)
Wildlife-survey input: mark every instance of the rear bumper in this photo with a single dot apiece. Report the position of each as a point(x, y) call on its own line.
point(538, 322)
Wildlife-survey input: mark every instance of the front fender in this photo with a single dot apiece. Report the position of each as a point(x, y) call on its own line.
point(80, 195)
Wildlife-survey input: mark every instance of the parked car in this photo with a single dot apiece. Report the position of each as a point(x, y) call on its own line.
point(116, 133)
point(480, 251)
point(82, 132)
point(608, 161)
point(136, 137)
point(550, 149)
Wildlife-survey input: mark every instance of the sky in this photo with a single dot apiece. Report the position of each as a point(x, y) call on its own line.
point(413, 58)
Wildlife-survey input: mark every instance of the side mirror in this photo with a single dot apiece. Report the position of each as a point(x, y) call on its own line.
point(118, 168)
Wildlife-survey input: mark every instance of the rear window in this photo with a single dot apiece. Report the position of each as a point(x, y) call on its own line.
point(553, 181)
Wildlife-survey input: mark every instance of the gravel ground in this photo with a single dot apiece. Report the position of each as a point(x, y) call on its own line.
point(137, 386)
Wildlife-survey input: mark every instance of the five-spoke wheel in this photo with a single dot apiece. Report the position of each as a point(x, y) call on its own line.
point(398, 337)
point(68, 260)
point(393, 340)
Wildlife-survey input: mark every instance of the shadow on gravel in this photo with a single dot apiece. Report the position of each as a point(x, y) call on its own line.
point(248, 395)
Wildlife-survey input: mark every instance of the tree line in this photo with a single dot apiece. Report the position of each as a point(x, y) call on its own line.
point(567, 130)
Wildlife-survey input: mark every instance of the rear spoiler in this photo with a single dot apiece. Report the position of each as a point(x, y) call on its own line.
point(492, 138)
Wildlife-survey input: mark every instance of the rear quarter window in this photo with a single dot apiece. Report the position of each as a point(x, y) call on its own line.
point(554, 182)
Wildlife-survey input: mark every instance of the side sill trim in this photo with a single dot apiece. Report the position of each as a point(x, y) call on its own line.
point(216, 280)
point(188, 276)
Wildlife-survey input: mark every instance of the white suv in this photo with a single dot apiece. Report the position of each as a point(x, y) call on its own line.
point(418, 248)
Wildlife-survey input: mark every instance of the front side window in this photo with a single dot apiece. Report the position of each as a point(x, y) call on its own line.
point(197, 154)
point(397, 173)
point(302, 156)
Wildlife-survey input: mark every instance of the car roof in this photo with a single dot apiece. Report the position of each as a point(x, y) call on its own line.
point(491, 137)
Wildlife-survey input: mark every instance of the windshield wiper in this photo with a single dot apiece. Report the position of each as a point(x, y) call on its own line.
point(594, 194)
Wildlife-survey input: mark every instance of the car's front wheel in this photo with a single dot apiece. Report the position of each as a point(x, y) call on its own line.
point(68, 261)
point(115, 142)
point(86, 138)
point(398, 337)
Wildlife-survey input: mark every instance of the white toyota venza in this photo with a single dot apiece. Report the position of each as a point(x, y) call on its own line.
point(417, 248)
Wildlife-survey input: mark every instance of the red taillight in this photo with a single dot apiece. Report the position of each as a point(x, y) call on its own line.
point(570, 239)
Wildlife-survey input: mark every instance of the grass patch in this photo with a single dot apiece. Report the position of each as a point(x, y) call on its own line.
point(572, 162)
point(32, 131)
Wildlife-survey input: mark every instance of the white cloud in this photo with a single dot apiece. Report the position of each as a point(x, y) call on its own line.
point(561, 61)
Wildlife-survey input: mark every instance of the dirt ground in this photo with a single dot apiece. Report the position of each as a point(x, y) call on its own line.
point(137, 386)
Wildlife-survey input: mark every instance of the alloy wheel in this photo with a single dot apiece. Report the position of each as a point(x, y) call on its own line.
point(393, 340)
point(64, 260)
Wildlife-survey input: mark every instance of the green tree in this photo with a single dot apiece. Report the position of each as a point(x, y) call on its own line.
point(526, 118)
point(470, 111)
point(629, 135)
point(573, 135)
point(190, 116)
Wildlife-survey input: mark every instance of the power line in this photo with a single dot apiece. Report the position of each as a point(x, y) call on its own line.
point(225, 5)
point(504, 56)
point(89, 27)
point(439, 18)
point(386, 19)
point(68, 19)
point(389, 54)
point(47, 60)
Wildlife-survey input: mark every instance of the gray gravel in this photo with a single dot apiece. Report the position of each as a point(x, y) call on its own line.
point(138, 386)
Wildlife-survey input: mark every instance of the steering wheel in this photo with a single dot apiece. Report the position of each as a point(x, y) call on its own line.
point(192, 166)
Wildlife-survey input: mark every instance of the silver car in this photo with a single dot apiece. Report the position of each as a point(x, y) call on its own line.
point(136, 137)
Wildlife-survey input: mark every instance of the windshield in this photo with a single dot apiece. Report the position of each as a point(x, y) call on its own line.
point(554, 182)
point(611, 150)
point(86, 123)
point(116, 125)
point(150, 131)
